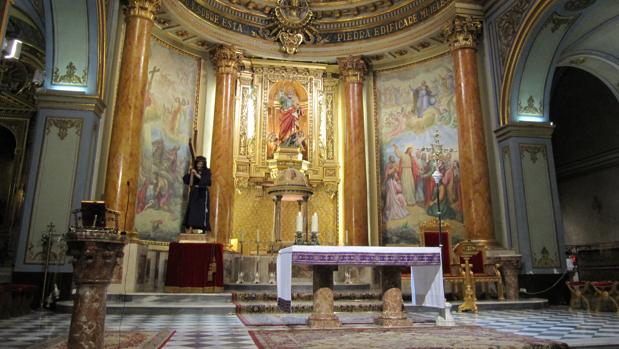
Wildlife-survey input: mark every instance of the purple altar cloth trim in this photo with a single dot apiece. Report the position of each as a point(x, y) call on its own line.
point(362, 258)
point(284, 305)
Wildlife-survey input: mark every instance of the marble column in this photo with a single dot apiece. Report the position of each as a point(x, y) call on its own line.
point(277, 219)
point(462, 33)
point(392, 314)
point(322, 314)
point(123, 164)
point(226, 60)
point(95, 252)
point(355, 182)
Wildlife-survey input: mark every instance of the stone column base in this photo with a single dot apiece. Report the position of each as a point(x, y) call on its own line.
point(389, 321)
point(323, 321)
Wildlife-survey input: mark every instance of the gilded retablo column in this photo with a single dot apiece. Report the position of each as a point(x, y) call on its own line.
point(355, 182)
point(462, 34)
point(226, 60)
point(121, 178)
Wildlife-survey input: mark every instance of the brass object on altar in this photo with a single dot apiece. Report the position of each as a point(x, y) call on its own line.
point(290, 185)
point(287, 157)
point(467, 249)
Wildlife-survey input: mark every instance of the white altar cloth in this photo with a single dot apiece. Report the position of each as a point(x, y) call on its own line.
point(425, 264)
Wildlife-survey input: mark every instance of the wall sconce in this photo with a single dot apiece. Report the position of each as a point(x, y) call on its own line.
point(11, 49)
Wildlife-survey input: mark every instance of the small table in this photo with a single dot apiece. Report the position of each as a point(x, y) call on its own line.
point(426, 278)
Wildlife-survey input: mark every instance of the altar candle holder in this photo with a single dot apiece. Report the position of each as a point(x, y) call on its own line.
point(241, 275)
point(298, 238)
point(314, 238)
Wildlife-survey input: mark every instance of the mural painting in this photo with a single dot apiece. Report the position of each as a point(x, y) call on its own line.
point(287, 117)
point(169, 110)
point(412, 104)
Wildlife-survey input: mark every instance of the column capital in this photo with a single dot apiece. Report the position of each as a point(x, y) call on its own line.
point(352, 68)
point(227, 59)
point(462, 32)
point(142, 8)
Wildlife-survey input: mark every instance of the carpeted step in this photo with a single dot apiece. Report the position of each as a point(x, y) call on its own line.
point(303, 296)
point(307, 306)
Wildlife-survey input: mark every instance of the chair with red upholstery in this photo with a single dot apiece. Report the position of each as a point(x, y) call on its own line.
point(486, 273)
point(429, 236)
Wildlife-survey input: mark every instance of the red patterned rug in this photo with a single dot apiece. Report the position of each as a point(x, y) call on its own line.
point(118, 340)
point(415, 337)
point(300, 319)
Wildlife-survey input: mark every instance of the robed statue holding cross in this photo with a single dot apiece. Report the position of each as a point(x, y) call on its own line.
point(198, 179)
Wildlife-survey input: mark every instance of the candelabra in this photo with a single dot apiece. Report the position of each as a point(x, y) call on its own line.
point(239, 279)
point(257, 270)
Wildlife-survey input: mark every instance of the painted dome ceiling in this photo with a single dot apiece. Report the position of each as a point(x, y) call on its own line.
point(316, 30)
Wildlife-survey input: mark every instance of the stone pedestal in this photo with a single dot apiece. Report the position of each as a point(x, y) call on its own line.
point(392, 315)
point(95, 252)
point(510, 268)
point(323, 315)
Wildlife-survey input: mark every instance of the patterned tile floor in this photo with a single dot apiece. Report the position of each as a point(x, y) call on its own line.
point(227, 332)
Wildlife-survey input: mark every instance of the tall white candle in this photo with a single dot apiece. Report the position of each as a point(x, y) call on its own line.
point(299, 222)
point(315, 222)
point(258, 235)
point(241, 237)
point(346, 238)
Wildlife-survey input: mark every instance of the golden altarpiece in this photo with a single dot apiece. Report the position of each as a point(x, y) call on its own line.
point(263, 145)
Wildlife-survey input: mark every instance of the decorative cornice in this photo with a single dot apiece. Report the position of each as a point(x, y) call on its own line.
point(227, 59)
point(142, 8)
point(352, 68)
point(69, 101)
point(524, 130)
point(463, 32)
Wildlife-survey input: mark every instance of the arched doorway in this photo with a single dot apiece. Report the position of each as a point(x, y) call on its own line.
point(586, 152)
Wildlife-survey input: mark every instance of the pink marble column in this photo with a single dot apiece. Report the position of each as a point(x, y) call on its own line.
point(355, 182)
point(226, 60)
point(462, 33)
point(123, 163)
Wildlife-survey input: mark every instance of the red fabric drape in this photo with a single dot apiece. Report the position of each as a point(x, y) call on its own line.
point(189, 265)
point(430, 239)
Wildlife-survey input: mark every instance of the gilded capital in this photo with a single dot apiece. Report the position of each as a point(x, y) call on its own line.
point(462, 32)
point(142, 8)
point(227, 59)
point(352, 68)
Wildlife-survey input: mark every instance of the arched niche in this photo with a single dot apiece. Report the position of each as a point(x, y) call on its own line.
point(287, 108)
point(559, 33)
point(586, 153)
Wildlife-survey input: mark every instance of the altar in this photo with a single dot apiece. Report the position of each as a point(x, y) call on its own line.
point(426, 278)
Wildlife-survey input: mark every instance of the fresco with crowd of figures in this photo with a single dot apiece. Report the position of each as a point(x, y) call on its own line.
point(412, 104)
point(169, 110)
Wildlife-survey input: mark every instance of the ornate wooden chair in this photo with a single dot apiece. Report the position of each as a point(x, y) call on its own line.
point(603, 291)
point(485, 273)
point(578, 291)
point(429, 236)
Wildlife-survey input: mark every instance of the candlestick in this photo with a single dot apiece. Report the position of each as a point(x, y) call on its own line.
point(315, 222)
point(299, 222)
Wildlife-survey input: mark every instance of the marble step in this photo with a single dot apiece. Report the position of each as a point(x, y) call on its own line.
point(296, 287)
